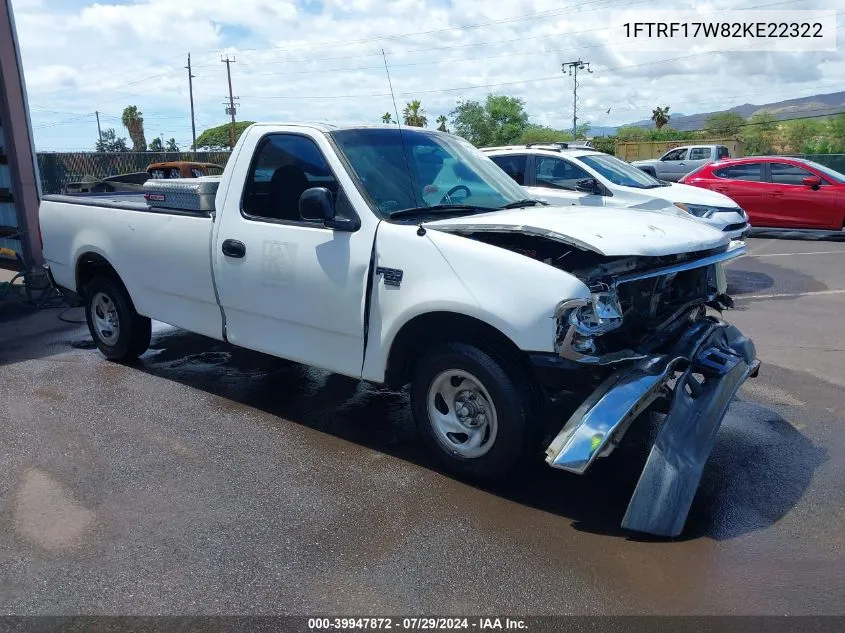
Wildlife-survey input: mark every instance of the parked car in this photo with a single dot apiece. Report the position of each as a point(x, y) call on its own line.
point(486, 303)
point(779, 191)
point(592, 178)
point(680, 161)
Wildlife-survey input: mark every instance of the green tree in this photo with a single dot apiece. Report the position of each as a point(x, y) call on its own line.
point(156, 145)
point(217, 138)
point(759, 135)
point(414, 114)
point(835, 131)
point(172, 146)
point(133, 121)
point(470, 121)
point(441, 124)
point(543, 134)
point(724, 124)
point(660, 116)
point(110, 143)
point(502, 120)
point(387, 117)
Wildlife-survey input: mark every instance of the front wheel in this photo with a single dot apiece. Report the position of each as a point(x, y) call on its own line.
point(119, 332)
point(473, 411)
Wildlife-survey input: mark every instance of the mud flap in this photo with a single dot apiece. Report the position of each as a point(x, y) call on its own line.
point(663, 496)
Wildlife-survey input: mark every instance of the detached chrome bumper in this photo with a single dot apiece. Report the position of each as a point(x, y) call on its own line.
point(710, 349)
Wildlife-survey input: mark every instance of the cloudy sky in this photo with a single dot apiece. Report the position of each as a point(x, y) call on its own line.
point(320, 60)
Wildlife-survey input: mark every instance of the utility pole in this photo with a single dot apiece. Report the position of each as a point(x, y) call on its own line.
point(99, 132)
point(191, 93)
point(231, 107)
point(573, 68)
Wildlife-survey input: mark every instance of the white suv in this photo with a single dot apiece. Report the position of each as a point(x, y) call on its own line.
point(588, 177)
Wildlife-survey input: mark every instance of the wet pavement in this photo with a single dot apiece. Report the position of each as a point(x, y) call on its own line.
point(207, 479)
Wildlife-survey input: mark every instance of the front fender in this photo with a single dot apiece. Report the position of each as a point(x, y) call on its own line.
point(443, 272)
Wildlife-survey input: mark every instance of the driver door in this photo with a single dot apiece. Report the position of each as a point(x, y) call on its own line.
point(673, 164)
point(289, 287)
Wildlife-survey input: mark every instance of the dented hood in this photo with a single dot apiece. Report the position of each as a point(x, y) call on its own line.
point(611, 232)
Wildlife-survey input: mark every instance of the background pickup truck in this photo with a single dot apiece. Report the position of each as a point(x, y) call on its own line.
point(407, 257)
point(678, 162)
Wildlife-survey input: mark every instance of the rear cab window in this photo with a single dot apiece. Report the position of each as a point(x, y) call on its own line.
point(700, 153)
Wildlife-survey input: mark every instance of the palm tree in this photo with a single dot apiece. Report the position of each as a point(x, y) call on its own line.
point(133, 121)
point(441, 123)
point(660, 116)
point(387, 117)
point(414, 114)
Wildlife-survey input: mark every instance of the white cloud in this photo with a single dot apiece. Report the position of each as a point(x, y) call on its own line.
point(82, 56)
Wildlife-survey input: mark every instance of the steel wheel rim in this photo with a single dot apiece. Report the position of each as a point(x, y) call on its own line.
point(461, 413)
point(104, 316)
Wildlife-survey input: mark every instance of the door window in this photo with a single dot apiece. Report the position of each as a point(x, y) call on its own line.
point(675, 154)
point(285, 165)
point(513, 166)
point(699, 153)
point(784, 174)
point(744, 171)
point(557, 173)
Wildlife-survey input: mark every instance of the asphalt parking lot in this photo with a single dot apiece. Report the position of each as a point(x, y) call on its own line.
point(211, 480)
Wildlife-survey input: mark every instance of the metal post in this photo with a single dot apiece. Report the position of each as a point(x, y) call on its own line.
point(99, 131)
point(573, 68)
point(231, 108)
point(19, 149)
point(191, 93)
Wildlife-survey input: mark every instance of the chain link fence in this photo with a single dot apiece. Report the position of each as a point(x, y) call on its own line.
point(59, 169)
point(834, 161)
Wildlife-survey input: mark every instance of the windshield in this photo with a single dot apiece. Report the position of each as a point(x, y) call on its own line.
point(435, 169)
point(619, 172)
point(835, 176)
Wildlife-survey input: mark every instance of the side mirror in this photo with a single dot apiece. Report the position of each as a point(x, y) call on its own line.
point(588, 185)
point(316, 205)
point(813, 182)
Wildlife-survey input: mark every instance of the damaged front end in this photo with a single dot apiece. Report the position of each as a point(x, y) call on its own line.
point(650, 330)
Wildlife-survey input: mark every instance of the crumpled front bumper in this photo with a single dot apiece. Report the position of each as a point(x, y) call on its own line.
point(700, 374)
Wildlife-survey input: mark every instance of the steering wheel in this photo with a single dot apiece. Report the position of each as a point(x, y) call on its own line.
point(448, 197)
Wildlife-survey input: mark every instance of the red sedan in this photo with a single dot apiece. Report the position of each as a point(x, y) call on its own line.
point(778, 191)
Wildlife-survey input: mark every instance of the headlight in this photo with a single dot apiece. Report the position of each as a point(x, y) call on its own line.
point(581, 320)
point(698, 210)
point(601, 315)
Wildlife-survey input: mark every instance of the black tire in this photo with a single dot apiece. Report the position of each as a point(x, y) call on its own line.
point(512, 398)
point(134, 331)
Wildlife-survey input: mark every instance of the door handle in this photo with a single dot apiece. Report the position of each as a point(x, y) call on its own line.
point(681, 164)
point(777, 193)
point(233, 248)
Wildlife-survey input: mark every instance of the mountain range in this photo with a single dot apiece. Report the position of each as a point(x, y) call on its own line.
point(816, 105)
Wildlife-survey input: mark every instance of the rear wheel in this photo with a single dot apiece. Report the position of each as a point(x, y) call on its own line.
point(473, 409)
point(119, 332)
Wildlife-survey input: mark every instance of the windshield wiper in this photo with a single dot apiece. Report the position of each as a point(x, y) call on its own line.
point(438, 209)
point(523, 203)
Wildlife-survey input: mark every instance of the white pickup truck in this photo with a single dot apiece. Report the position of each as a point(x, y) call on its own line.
point(407, 257)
